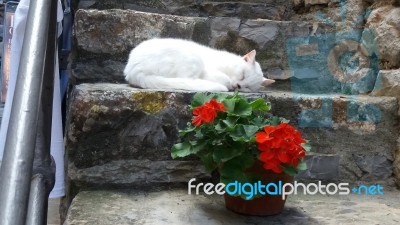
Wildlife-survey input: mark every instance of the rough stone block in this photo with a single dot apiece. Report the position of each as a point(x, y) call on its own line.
point(374, 166)
point(321, 167)
point(316, 2)
point(388, 84)
point(396, 164)
point(110, 124)
point(137, 172)
point(104, 38)
point(272, 10)
point(115, 32)
point(178, 208)
point(120, 136)
point(385, 22)
point(250, 9)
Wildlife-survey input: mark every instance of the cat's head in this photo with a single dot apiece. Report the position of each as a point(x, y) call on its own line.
point(252, 79)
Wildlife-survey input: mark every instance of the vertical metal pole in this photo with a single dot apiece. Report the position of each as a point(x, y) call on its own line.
point(43, 165)
point(37, 210)
point(16, 170)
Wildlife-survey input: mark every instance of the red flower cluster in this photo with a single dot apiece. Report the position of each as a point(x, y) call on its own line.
point(280, 145)
point(207, 112)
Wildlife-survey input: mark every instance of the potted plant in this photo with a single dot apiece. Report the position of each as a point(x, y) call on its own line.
point(238, 137)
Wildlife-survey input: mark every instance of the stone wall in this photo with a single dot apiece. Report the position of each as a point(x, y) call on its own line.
point(298, 41)
point(312, 34)
point(104, 39)
point(118, 135)
point(246, 9)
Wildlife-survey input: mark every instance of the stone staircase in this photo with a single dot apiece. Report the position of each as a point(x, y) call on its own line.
point(118, 138)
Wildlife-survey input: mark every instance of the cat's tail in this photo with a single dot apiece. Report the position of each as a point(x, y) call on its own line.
point(158, 82)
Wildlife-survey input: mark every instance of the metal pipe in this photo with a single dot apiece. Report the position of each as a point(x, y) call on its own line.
point(16, 170)
point(37, 210)
point(43, 165)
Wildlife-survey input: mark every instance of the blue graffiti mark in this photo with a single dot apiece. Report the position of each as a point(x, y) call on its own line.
point(316, 118)
point(359, 112)
point(331, 63)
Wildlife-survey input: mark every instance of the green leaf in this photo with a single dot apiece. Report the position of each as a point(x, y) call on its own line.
point(302, 166)
point(227, 125)
point(244, 132)
point(306, 146)
point(242, 108)
point(197, 146)
point(275, 120)
point(188, 130)
point(225, 154)
point(243, 161)
point(260, 122)
point(208, 161)
point(181, 150)
point(261, 105)
point(233, 170)
point(201, 98)
point(289, 170)
point(220, 127)
point(229, 104)
point(230, 174)
point(230, 121)
point(199, 134)
point(220, 97)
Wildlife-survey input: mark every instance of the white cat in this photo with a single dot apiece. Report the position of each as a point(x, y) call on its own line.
point(186, 65)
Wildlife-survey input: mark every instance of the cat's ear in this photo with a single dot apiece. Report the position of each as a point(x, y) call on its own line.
point(250, 57)
point(267, 82)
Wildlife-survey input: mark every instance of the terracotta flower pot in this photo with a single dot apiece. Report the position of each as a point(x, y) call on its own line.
point(265, 205)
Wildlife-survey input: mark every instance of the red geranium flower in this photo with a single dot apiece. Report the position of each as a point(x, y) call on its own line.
point(280, 145)
point(207, 112)
point(215, 105)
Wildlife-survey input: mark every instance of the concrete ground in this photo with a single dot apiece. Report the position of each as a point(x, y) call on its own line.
point(177, 207)
point(53, 215)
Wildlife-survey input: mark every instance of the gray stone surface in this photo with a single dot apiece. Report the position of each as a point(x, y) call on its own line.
point(321, 167)
point(104, 39)
point(111, 127)
point(385, 21)
point(120, 136)
point(388, 84)
point(284, 48)
point(138, 172)
point(374, 166)
point(177, 207)
point(396, 164)
point(98, 70)
point(115, 32)
point(265, 9)
point(53, 214)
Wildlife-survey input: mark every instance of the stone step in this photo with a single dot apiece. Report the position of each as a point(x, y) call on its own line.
point(177, 207)
point(313, 54)
point(121, 136)
point(104, 39)
point(251, 9)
